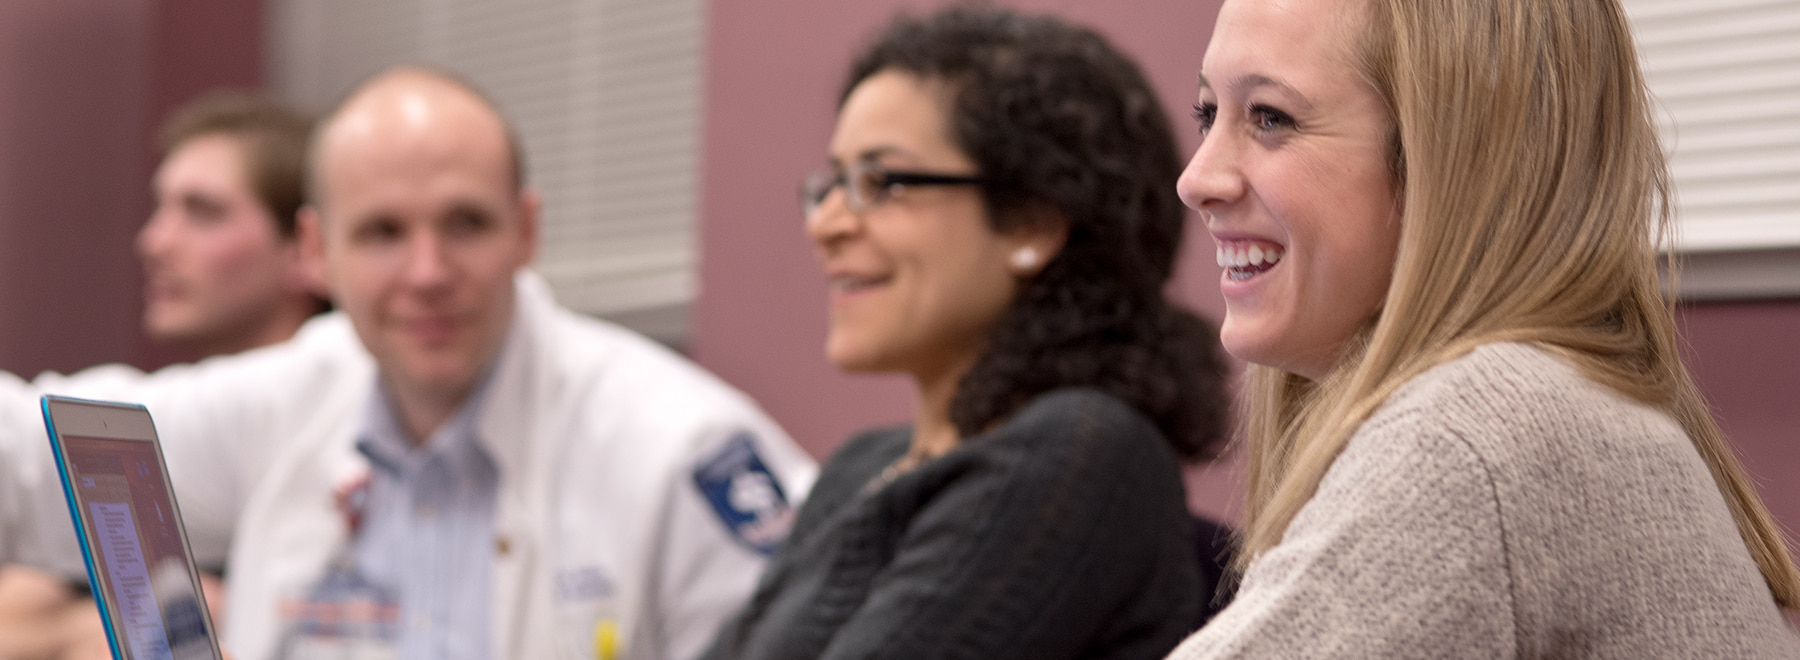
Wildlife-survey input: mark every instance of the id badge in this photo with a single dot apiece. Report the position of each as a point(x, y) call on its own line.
point(588, 614)
point(344, 617)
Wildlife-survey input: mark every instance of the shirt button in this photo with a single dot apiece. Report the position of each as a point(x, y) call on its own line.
point(502, 546)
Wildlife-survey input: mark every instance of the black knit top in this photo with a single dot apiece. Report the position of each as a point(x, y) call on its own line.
point(1061, 534)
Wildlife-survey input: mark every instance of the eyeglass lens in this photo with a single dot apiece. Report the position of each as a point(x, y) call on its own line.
point(866, 187)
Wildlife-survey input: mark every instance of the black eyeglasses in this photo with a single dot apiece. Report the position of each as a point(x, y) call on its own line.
point(869, 184)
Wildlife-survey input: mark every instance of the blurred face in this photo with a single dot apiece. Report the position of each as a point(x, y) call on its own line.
point(216, 269)
point(917, 280)
point(1292, 179)
point(421, 229)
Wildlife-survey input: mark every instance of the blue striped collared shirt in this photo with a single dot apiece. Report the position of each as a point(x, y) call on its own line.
point(427, 533)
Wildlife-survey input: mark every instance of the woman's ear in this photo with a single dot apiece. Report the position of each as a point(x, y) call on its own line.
point(1035, 240)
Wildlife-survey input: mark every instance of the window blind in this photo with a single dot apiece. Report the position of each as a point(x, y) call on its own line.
point(1727, 76)
point(605, 95)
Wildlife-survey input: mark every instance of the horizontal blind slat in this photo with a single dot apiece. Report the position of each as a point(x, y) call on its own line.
point(604, 94)
point(1726, 76)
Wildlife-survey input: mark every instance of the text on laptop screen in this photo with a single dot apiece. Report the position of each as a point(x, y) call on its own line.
point(137, 545)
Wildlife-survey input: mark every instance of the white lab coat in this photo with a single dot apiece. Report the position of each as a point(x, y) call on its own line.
point(598, 513)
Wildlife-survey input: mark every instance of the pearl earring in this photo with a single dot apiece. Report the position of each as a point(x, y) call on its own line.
point(1025, 259)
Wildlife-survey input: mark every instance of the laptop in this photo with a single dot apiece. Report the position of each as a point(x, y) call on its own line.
point(136, 550)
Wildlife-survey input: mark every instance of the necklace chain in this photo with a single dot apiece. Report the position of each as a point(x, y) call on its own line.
point(912, 459)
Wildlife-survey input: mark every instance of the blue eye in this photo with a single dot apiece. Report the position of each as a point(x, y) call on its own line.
point(1268, 119)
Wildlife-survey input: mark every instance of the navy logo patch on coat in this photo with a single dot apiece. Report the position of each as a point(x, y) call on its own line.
point(745, 494)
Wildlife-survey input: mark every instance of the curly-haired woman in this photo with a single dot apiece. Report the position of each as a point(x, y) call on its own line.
point(997, 222)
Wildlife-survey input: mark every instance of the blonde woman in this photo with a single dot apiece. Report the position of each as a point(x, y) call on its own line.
point(1470, 431)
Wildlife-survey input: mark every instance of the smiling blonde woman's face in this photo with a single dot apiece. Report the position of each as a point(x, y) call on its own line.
point(1292, 178)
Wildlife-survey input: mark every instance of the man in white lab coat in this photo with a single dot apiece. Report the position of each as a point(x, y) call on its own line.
point(503, 477)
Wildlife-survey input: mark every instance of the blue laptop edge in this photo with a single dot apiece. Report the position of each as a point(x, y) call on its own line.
point(87, 553)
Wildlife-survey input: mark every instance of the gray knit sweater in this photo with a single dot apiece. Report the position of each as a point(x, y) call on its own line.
point(1504, 506)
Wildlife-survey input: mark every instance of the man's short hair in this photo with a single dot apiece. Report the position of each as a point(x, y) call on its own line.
point(273, 138)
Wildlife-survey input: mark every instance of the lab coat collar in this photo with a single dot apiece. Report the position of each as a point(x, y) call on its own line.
point(507, 428)
point(505, 425)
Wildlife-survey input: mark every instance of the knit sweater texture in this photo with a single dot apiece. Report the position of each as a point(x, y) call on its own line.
point(1060, 534)
point(1504, 506)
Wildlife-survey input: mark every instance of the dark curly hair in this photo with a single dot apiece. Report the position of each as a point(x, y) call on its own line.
point(1058, 120)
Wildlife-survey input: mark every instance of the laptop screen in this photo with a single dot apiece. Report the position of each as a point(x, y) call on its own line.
point(136, 539)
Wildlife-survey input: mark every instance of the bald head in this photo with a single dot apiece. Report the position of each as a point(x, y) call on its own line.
point(418, 225)
point(410, 104)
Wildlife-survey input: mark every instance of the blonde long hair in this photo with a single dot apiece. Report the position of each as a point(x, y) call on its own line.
point(1535, 190)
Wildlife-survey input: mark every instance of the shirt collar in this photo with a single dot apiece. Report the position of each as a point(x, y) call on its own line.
point(383, 440)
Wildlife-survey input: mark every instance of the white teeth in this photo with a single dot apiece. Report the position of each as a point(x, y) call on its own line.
point(1240, 256)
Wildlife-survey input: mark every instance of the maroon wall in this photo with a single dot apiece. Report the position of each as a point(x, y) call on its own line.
point(196, 46)
point(1747, 359)
point(773, 72)
point(85, 83)
point(72, 180)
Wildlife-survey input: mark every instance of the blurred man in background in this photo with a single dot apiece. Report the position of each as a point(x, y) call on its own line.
point(222, 274)
point(221, 265)
point(496, 475)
